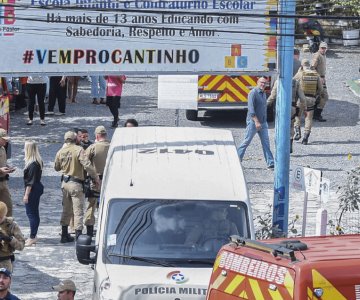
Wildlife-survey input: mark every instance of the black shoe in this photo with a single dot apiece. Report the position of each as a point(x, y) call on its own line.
point(114, 124)
point(317, 115)
point(320, 119)
point(66, 239)
point(271, 167)
point(305, 139)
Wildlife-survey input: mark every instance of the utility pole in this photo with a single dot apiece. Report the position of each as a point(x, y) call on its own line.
point(282, 122)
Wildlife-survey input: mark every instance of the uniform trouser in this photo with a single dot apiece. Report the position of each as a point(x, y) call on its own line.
point(32, 208)
point(292, 122)
point(90, 211)
point(6, 197)
point(324, 97)
point(57, 92)
point(73, 202)
point(73, 82)
point(310, 102)
point(7, 264)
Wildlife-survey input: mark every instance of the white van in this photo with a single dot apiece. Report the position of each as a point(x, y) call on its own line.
point(171, 197)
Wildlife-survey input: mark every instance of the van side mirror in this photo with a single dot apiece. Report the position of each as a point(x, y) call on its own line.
point(84, 248)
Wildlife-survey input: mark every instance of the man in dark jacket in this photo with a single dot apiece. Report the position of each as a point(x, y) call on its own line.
point(5, 282)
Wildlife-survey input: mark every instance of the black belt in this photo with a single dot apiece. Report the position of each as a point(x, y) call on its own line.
point(68, 178)
point(6, 177)
point(2, 258)
point(308, 95)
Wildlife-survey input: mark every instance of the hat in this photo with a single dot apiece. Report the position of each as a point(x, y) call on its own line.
point(305, 62)
point(4, 135)
point(296, 51)
point(65, 285)
point(100, 130)
point(323, 45)
point(70, 135)
point(5, 271)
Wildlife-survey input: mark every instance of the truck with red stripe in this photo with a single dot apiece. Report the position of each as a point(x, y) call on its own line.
point(325, 268)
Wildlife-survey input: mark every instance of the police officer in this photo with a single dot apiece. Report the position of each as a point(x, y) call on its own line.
point(96, 153)
point(66, 290)
point(5, 170)
point(73, 163)
point(298, 99)
point(11, 238)
point(297, 62)
point(312, 87)
point(318, 63)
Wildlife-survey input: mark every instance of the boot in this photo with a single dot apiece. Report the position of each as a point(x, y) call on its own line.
point(318, 116)
point(90, 230)
point(65, 236)
point(297, 135)
point(306, 138)
point(114, 124)
point(78, 233)
point(291, 145)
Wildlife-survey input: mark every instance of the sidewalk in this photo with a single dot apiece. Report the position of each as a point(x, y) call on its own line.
point(354, 86)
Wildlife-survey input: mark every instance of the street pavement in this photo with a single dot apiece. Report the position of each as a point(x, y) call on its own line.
point(39, 267)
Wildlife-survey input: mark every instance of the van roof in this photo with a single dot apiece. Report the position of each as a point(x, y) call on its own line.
point(321, 248)
point(174, 163)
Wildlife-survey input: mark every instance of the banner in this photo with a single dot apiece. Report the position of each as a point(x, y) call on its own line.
point(110, 36)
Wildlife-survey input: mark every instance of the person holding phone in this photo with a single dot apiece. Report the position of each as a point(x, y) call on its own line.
point(5, 170)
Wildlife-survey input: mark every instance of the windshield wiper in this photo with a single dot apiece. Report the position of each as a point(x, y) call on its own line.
point(209, 262)
point(151, 261)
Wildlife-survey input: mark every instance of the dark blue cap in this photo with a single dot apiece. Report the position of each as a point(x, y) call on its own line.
point(5, 271)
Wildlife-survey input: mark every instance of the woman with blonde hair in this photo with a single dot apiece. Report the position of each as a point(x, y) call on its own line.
point(33, 188)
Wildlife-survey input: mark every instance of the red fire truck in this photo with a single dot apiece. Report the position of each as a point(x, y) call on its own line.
point(325, 268)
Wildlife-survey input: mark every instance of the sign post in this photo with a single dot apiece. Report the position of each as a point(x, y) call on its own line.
point(309, 181)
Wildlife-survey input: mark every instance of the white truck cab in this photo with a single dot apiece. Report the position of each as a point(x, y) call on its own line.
point(170, 198)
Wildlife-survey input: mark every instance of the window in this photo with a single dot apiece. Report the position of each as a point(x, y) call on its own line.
point(171, 231)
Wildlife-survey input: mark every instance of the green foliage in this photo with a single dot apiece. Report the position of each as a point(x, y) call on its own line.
point(265, 229)
point(349, 200)
point(350, 7)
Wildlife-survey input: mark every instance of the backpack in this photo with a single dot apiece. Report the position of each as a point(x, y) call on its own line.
point(309, 82)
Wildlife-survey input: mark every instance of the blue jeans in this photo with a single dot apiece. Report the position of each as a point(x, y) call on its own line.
point(32, 208)
point(264, 138)
point(98, 86)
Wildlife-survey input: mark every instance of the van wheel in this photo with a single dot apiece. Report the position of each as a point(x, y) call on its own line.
point(191, 114)
point(271, 113)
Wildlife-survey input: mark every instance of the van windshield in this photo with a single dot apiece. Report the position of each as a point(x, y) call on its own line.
point(171, 232)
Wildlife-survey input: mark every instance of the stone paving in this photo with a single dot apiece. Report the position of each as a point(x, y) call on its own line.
point(39, 267)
